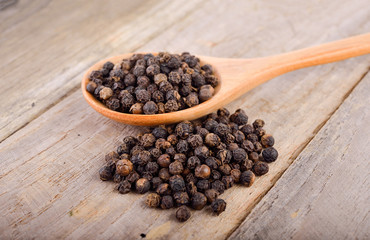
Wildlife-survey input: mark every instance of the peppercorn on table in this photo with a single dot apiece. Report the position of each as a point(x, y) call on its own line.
point(52, 144)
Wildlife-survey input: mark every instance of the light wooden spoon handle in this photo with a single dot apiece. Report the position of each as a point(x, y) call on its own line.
point(241, 75)
point(325, 53)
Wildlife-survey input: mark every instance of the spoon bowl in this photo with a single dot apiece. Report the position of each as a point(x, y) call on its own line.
point(236, 77)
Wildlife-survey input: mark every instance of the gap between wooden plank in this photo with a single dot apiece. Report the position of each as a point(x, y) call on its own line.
point(325, 201)
point(300, 150)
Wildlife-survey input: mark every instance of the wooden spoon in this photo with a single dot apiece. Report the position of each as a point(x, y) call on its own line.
point(237, 76)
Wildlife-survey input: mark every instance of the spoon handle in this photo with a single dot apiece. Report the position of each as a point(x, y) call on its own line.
point(325, 53)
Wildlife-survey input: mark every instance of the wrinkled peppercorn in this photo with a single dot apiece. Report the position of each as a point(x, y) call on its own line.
point(124, 167)
point(142, 185)
point(267, 140)
point(269, 154)
point(153, 200)
point(247, 178)
point(218, 206)
point(167, 202)
point(124, 187)
point(192, 162)
point(260, 168)
point(198, 201)
point(182, 214)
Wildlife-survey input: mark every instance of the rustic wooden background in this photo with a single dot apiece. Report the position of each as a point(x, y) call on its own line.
point(52, 143)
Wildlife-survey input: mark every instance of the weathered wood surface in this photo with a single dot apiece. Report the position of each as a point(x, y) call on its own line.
point(48, 175)
point(46, 45)
point(325, 192)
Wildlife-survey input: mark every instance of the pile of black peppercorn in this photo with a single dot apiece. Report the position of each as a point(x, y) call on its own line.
point(148, 84)
point(193, 162)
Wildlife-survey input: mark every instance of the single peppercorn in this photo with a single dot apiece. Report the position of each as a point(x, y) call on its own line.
point(164, 160)
point(228, 181)
point(211, 195)
point(235, 174)
point(198, 201)
point(260, 168)
point(247, 178)
point(175, 168)
point(203, 185)
point(206, 92)
point(218, 186)
point(142, 185)
point(201, 152)
point(124, 187)
point(239, 155)
point(218, 206)
point(270, 154)
point(137, 108)
point(258, 123)
point(150, 108)
point(106, 173)
point(202, 171)
point(181, 198)
point(153, 200)
point(267, 140)
point(124, 167)
point(167, 202)
point(164, 174)
point(177, 183)
point(182, 214)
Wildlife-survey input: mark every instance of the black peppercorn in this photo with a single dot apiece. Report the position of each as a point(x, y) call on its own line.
point(181, 198)
point(177, 183)
point(267, 140)
point(258, 123)
point(206, 92)
point(167, 202)
point(182, 214)
point(218, 206)
point(218, 186)
point(247, 178)
point(202, 171)
point(164, 160)
point(235, 174)
point(203, 185)
point(124, 167)
point(269, 154)
point(124, 187)
point(153, 200)
point(163, 189)
point(164, 174)
point(142, 185)
point(260, 168)
point(106, 173)
point(176, 168)
point(228, 181)
point(198, 201)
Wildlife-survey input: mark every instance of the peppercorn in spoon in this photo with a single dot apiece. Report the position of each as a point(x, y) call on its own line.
point(236, 77)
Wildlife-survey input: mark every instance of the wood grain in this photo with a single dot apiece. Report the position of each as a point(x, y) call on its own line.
point(325, 193)
point(48, 169)
point(42, 59)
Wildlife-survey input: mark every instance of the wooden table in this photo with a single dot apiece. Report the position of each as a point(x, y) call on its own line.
point(53, 143)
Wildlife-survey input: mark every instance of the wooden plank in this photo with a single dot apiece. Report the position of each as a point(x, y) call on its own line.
point(325, 193)
point(55, 183)
point(42, 58)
